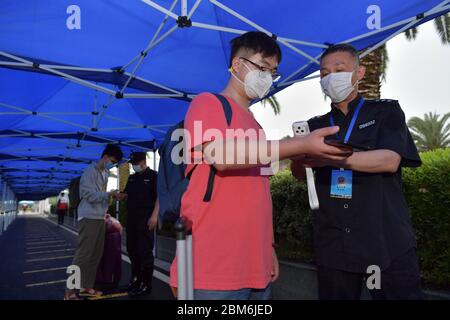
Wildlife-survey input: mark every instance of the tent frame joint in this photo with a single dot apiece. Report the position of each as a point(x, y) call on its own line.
point(119, 95)
point(184, 22)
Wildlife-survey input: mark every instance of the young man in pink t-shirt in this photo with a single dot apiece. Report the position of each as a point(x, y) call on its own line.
point(233, 251)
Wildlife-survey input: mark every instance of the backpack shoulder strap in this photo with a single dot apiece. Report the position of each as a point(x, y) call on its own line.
point(226, 107)
point(212, 171)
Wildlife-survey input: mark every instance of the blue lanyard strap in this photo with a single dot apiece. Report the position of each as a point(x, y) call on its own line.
point(352, 122)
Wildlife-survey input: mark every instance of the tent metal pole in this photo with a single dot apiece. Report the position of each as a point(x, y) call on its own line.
point(300, 80)
point(62, 74)
point(161, 9)
point(155, 84)
point(118, 188)
point(440, 8)
point(43, 116)
point(297, 71)
point(217, 28)
point(150, 96)
point(407, 26)
point(184, 8)
point(142, 56)
point(194, 8)
point(258, 27)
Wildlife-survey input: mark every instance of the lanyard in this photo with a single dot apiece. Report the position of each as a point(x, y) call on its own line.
point(352, 122)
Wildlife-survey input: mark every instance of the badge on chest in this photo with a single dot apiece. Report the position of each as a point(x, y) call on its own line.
point(341, 184)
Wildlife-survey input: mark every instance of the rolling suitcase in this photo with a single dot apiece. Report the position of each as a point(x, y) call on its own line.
point(109, 271)
point(183, 230)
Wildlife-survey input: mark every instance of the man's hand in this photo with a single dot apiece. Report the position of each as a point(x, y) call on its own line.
point(275, 266)
point(116, 195)
point(316, 147)
point(152, 221)
point(113, 193)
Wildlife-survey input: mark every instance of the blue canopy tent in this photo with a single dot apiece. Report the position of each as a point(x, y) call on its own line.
point(76, 75)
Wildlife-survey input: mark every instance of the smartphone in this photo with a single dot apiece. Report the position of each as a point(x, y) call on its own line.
point(300, 128)
point(349, 146)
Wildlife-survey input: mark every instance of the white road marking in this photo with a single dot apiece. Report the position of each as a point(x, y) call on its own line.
point(51, 251)
point(158, 275)
point(45, 283)
point(48, 259)
point(46, 247)
point(44, 242)
point(44, 270)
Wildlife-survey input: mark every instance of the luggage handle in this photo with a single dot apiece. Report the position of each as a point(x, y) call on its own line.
point(183, 231)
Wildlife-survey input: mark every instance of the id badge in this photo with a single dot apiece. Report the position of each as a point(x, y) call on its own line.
point(341, 184)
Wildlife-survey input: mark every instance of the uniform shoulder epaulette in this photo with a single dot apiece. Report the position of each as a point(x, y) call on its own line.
point(389, 101)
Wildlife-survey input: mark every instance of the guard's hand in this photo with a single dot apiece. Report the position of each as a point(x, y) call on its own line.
point(317, 148)
point(113, 193)
point(119, 196)
point(152, 221)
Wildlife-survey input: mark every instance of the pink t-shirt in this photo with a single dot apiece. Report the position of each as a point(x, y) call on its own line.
point(233, 233)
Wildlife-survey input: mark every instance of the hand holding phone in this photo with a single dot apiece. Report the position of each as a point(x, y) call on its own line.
point(301, 128)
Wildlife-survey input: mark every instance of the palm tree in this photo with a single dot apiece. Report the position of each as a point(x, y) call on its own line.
point(376, 62)
point(431, 132)
point(273, 102)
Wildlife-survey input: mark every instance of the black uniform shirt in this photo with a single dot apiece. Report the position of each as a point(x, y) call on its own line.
point(374, 226)
point(141, 190)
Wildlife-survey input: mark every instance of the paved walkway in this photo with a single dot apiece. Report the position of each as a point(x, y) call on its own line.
point(34, 255)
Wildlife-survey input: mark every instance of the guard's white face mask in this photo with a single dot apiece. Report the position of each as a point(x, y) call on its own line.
point(256, 83)
point(338, 85)
point(137, 168)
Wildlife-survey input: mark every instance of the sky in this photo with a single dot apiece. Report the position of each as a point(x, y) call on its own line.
point(418, 76)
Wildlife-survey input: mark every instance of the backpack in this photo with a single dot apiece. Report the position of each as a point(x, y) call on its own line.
point(74, 192)
point(172, 182)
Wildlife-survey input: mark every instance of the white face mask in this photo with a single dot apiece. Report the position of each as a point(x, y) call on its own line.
point(137, 168)
point(257, 83)
point(338, 85)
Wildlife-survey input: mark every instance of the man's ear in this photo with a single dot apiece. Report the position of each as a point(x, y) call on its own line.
point(361, 72)
point(235, 65)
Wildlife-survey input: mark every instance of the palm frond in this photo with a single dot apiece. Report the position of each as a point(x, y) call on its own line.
point(442, 24)
point(273, 102)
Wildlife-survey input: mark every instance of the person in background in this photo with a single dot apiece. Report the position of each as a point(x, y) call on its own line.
point(61, 207)
point(143, 209)
point(91, 213)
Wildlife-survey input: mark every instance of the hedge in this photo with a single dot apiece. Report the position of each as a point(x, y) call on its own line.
point(427, 192)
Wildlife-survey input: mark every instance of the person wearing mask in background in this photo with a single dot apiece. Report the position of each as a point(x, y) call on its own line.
point(91, 213)
point(363, 225)
point(143, 209)
point(61, 207)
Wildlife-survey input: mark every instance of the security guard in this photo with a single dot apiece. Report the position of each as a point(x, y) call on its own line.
point(143, 207)
point(362, 230)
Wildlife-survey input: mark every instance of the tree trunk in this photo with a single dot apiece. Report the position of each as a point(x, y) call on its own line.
point(370, 85)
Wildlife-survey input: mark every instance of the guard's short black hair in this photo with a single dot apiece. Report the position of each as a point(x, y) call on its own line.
point(113, 150)
point(137, 157)
point(342, 47)
point(256, 42)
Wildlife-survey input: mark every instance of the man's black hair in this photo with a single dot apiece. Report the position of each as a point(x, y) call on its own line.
point(342, 47)
point(137, 157)
point(113, 150)
point(255, 42)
